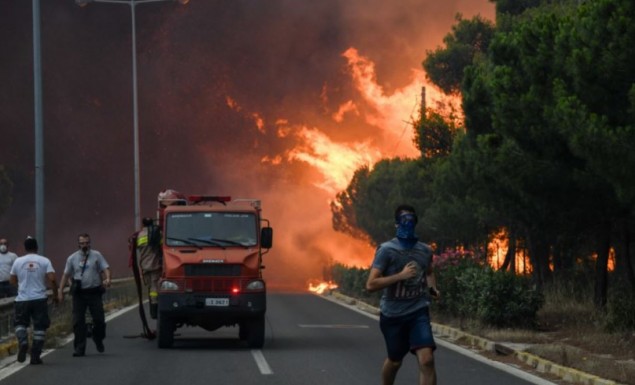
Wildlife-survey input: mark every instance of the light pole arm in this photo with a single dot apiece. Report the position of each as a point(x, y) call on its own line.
point(82, 3)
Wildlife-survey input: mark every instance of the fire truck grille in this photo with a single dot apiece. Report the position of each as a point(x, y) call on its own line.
point(224, 285)
point(210, 270)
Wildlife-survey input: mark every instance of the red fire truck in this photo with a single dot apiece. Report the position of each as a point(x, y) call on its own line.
point(212, 265)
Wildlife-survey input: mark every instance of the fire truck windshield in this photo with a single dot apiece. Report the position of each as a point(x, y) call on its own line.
point(211, 229)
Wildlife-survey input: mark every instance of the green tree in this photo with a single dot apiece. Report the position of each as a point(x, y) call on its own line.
point(435, 133)
point(557, 84)
point(596, 109)
point(514, 7)
point(370, 199)
point(444, 66)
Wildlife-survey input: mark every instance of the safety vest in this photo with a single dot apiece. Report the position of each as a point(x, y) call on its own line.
point(149, 255)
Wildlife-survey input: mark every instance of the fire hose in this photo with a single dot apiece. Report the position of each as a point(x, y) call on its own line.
point(147, 332)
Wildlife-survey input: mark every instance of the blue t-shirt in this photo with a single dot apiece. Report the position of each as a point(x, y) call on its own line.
point(403, 297)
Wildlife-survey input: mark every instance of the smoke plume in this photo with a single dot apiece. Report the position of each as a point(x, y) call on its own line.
point(279, 100)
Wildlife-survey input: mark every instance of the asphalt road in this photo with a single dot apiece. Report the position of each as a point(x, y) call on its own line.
point(309, 340)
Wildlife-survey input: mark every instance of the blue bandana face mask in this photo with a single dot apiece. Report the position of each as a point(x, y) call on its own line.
point(406, 226)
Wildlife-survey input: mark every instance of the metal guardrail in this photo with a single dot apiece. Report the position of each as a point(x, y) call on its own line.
point(122, 291)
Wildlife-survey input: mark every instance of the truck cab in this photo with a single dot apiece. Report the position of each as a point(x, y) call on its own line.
point(212, 266)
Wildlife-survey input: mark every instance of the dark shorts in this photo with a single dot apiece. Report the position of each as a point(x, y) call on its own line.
point(407, 333)
point(36, 310)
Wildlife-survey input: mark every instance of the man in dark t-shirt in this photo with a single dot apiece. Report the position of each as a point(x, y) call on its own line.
point(402, 267)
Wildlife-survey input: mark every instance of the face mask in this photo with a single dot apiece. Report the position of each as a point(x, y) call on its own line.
point(406, 226)
point(3, 249)
point(85, 249)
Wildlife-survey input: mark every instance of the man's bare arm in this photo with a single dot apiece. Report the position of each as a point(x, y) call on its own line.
point(376, 281)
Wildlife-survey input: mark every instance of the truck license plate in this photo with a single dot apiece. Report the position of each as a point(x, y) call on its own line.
point(216, 301)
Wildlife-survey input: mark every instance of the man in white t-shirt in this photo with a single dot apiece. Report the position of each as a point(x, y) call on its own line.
point(6, 261)
point(31, 273)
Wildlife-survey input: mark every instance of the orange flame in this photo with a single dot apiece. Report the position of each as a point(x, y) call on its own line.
point(321, 287)
point(329, 161)
point(611, 262)
point(337, 162)
point(394, 113)
point(497, 249)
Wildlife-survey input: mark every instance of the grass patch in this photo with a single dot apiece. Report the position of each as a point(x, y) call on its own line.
point(570, 332)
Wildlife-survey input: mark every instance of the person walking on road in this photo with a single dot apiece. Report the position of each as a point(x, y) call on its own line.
point(402, 267)
point(6, 261)
point(31, 273)
point(90, 275)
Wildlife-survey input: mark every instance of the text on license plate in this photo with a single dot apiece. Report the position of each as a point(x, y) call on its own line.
point(216, 301)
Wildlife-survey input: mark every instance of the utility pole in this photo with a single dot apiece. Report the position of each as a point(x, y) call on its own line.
point(39, 129)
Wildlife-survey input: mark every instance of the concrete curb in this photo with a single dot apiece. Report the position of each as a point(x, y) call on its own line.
point(451, 334)
point(567, 374)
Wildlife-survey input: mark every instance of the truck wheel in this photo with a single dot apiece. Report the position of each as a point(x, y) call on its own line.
point(256, 332)
point(165, 332)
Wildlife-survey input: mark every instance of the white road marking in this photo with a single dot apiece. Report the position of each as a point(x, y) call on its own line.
point(333, 326)
point(263, 366)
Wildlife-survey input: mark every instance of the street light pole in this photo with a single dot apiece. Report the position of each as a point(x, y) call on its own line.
point(39, 128)
point(135, 109)
point(135, 97)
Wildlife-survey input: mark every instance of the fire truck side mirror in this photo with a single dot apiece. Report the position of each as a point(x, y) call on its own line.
point(266, 237)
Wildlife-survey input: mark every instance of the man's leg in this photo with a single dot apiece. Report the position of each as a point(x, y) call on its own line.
point(395, 334)
point(79, 325)
point(38, 346)
point(422, 343)
point(22, 321)
point(41, 322)
point(427, 371)
point(389, 371)
point(96, 308)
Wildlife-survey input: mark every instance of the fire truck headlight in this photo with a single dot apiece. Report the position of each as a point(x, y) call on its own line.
point(169, 286)
point(256, 285)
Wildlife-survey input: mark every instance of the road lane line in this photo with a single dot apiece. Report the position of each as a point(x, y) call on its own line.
point(263, 366)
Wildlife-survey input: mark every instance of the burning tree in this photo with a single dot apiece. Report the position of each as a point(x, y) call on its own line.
point(549, 101)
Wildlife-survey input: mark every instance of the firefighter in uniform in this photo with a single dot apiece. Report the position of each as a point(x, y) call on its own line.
point(149, 255)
